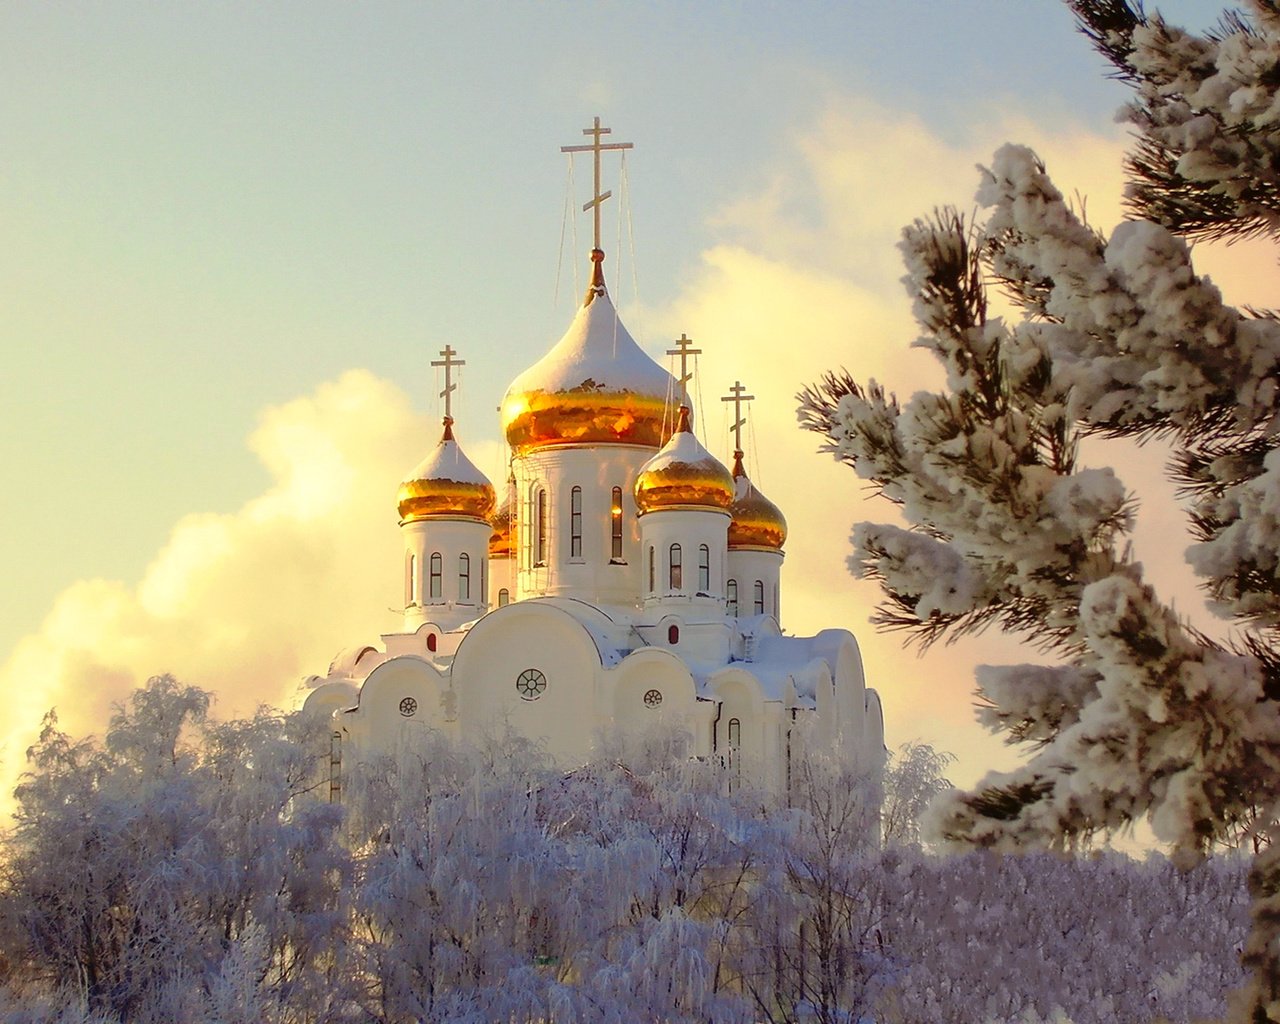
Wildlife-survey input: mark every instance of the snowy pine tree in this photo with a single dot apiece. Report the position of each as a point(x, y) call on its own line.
point(1142, 716)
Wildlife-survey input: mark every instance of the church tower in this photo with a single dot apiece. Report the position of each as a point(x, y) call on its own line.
point(580, 423)
point(445, 509)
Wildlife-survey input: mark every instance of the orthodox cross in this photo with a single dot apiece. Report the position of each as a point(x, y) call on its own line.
point(596, 147)
point(737, 398)
point(683, 350)
point(448, 362)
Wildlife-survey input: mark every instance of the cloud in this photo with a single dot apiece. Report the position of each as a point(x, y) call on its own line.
point(244, 604)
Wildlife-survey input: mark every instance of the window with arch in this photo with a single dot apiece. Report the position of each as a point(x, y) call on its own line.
point(777, 607)
point(704, 569)
point(504, 597)
point(575, 523)
point(673, 634)
point(484, 581)
point(432, 642)
point(652, 581)
point(615, 524)
point(731, 597)
point(464, 577)
point(675, 568)
point(411, 597)
point(436, 569)
point(735, 733)
point(759, 597)
point(540, 527)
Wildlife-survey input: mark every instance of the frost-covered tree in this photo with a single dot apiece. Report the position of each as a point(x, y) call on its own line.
point(913, 776)
point(1142, 716)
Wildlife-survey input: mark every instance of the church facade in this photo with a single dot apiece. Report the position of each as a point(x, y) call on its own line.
point(628, 580)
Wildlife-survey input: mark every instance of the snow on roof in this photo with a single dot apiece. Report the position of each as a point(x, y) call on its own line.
point(447, 461)
point(597, 353)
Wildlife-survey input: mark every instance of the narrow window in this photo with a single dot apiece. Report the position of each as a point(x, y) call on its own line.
point(731, 597)
point(673, 634)
point(432, 642)
point(435, 573)
point(412, 596)
point(615, 525)
point(484, 581)
point(676, 569)
point(777, 608)
point(504, 597)
point(540, 524)
point(464, 577)
point(759, 597)
point(651, 581)
point(735, 733)
point(704, 569)
point(575, 523)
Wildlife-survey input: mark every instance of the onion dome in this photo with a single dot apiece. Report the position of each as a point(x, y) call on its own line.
point(500, 540)
point(446, 485)
point(683, 474)
point(757, 522)
point(596, 386)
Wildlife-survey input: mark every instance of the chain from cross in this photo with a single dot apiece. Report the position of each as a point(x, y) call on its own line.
point(683, 350)
point(596, 147)
point(739, 421)
point(448, 362)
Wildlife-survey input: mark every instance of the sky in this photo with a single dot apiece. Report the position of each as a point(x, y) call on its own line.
point(235, 236)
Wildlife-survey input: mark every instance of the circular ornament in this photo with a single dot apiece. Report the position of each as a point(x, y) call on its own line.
point(530, 683)
point(408, 707)
point(652, 698)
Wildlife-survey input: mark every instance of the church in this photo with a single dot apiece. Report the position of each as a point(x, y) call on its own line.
point(628, 580)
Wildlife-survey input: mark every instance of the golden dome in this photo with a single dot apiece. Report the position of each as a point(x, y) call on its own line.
point(596, 386)
point(446, 485)
point(500, 540)
point(757, 522)
point(683, 474)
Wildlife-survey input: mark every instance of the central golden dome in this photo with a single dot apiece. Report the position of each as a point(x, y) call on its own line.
point(596, 386)
point(446, 485)
point(683, 474)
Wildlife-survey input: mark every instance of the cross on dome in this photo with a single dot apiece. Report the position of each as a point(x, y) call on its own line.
point(683, 352)
point(737, 397)
point(448, 362)
point(596, 148)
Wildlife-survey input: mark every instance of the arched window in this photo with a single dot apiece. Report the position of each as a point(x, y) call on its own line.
point(652, 586)
point(675, 568)
point(777, 607)
point(432, 641)
point(484, 581)
point(412, 596)
point(735, 733)
point(673, 634)
point(464, 577)
point(615, 524)
point(731, 597)
point(504, 597)
point(540, 528)
point(575, 523)
point(759, 597)
point(704, 569)
point(435, 573)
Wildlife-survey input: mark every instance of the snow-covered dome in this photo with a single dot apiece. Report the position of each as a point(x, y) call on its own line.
point(446, 485)
point(595, 386)
point(683, 474)
point(756, 521)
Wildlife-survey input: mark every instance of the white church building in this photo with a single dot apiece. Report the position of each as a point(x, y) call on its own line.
point(627, 580)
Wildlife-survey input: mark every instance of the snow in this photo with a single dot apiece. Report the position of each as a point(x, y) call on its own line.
point(448, 463)
point(596, 353)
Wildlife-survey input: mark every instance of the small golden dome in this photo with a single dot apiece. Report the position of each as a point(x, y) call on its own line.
point(446, 485)
point(500, 540)
point(683, 474)
point(757, 522)
point(596, 386)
